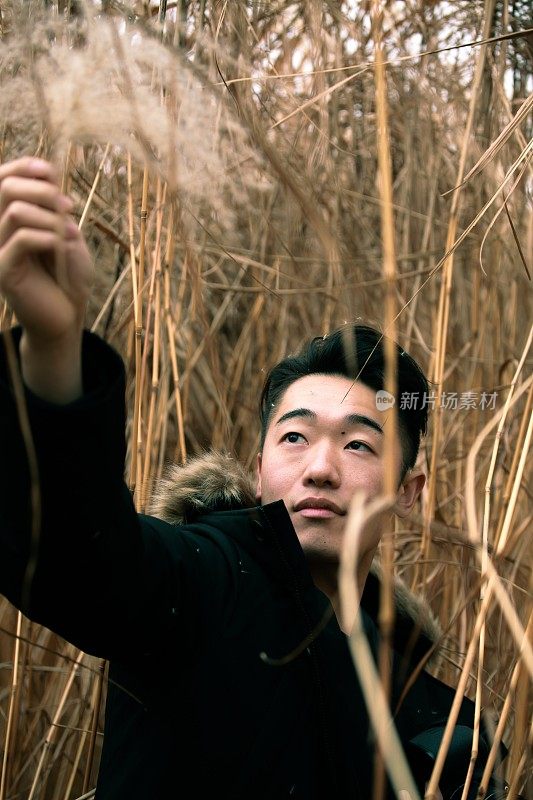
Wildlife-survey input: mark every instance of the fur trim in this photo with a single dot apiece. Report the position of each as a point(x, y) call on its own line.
point(411, 606)
point(212, 482)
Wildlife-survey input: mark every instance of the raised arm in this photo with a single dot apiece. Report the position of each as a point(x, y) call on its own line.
point(101, 576)
point(45, 275)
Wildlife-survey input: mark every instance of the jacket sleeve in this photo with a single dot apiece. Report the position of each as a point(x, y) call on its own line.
point(422, 748)
point(74, 554)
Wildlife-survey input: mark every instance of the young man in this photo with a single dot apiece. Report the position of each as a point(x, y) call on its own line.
point(223, 679)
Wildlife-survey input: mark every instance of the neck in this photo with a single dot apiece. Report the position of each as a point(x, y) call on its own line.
point(326, 579)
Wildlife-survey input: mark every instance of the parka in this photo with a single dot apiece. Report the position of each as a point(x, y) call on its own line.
point(229, 676)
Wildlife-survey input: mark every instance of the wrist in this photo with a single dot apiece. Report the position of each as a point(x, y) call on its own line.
point(52, 369)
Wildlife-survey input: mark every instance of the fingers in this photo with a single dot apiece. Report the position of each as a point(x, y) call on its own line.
point(25, 241)
point(39, 193)
point(45, 267)
point(30, 199)
point(34, 181)
point(20, 214)
point(28, 167)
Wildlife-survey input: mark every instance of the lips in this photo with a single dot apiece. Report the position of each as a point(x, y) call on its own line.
point(318, 508)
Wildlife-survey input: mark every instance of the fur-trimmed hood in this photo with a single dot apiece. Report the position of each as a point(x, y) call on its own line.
point(212, 482)
point(215, 481)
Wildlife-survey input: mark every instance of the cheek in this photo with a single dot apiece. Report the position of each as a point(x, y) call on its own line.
point(368, 477)
point(277, 479)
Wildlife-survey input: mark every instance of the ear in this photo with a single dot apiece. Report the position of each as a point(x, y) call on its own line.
point(412, 485)
point(258, 479)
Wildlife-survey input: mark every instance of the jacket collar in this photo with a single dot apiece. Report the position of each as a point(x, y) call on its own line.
point(267, 534)
point(216, 490)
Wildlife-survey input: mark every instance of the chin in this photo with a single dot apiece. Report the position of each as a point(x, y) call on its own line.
point(318, 548)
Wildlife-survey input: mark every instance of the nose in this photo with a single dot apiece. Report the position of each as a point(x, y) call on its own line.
point(322, 467)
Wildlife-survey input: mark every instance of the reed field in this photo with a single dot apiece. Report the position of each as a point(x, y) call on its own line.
point(249, 174)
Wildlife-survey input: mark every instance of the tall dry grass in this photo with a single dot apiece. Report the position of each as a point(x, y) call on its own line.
point(252, 173)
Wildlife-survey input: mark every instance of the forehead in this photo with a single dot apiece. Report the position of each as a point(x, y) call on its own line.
point(334, 396)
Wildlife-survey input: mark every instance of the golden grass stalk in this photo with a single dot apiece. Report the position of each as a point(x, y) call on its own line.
point(33, 468)
point(154, 308)
point(447, 277)
point(93, 187)
point(493, 586)
point(11, 720)
point(87, 795)
point(484, 556)
point(502, 722)
point(52, 731)
point(95, 705)
point(386, 606)
point(516, 778)
point(376, 697)
point(140, 364)
point(500, 419)
point(513, 125)
point(137, 306)
point(171, 335)
point(75, 765)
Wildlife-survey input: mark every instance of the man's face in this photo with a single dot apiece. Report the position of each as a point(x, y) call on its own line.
point(325, 442)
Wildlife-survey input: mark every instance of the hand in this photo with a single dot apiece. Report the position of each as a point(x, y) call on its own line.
point(45, 275)
point(45, 267)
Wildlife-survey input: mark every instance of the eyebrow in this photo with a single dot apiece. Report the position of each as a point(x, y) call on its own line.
point(352, 420)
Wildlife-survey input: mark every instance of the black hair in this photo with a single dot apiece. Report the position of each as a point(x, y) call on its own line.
point(356, 352)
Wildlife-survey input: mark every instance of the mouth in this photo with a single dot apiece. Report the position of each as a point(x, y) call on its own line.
point(318, 508)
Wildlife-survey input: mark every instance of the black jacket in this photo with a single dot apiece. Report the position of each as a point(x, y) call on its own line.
point(198, 622)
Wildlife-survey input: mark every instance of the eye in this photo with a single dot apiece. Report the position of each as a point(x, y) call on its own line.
point(293, 438)
point(359, 446)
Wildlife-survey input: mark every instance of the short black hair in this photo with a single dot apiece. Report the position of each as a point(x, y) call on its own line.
point(356, 352)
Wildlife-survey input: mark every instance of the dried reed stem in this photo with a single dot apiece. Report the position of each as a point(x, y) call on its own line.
point(171, 332)
point(137, 312)
point(52, 731)
point(517, 777)
point(446, 282)
point(154, 301)
point(386, 606)
point(493, 586)
point(500, 419)
point(33, 467)
point(93, 187)
point(75, 764)
point(502, 722)
point(522, 698)
point(139, 332)
point(11, 722)
point(95, 703)
point(369, 679)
